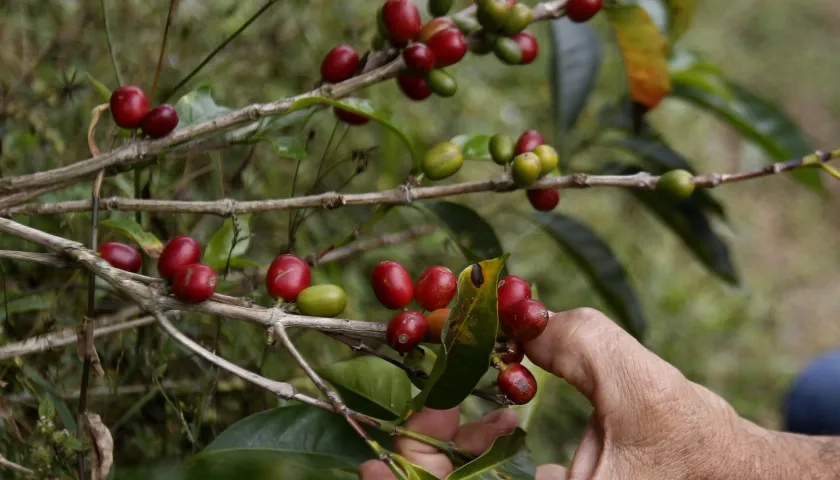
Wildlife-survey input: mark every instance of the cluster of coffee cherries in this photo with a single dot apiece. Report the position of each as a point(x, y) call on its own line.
point(288, 279)
point(130, 110)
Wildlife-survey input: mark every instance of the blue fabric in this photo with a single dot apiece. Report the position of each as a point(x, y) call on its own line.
point(812, 405)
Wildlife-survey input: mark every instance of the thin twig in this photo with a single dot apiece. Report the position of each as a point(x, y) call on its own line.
point(111, 51)
point(10, 465)
point(336, 254)
point(172, 5)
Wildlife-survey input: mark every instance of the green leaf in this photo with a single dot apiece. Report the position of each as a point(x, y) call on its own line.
point(680, 16)
point(299, 434)
point(657, 12)
point(100, 87)
point(413, 471)
point(46, 408)
point(371, 386)
point(505, 459)
point(474, 146)
point(277, 123)
point(598, 261)
point(197, 106)
point(222, 246)
point(474, 236)
point(468, 338)
point(755, 117)
point(48, 390)
point(293, 147)
point(29, 303)
point(130, 228)
point(422, 358)
point(575, 60)
point(362, 107)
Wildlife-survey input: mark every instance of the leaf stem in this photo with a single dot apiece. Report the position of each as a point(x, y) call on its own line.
point(110, 43)
point(172, 6)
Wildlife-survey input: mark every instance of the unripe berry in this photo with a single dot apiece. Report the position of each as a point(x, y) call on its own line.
point(179, 252)
point(543, 199)
point(435, 288)
point(439, 8)
point(507, 50)
point(160, 121)
point(413, 87)
point(406, 330)
point(436, 321)
point(349, 117)
point(511, 290)
point(419, 58)
point(287, 276)
point(441, 83)
point(401, 19)
point(529, 140)
point(339, 64)
point(194, 283)
point(510, 351)
point(677, 183)
point(518, 19)
point(325, 300)
point(122, 256)
point(434, 26)
point(548, 158)
point(491, 14)
point(526, 169)
point(449, 47)
point(528, 45)
point(128, 106)
point(517, 383)
point(392, 285)
point(501, 149)
point(525, 320)
point(580, 11)
point(442, 160)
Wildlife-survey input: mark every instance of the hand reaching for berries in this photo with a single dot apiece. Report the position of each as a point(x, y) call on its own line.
point(649, 421)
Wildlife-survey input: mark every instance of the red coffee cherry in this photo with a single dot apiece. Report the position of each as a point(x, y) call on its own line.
point(435, 288)
point(179, 252)
point(525, 320)
point(194, 283)
point(128, 106)
point(339, 64)
point(434, 26)
point(529, 140)
point(528, 45)
point(350, 117)
point(401, 19)
point(436, 320)
point(543, 199)
point(580, 11)
point(517, 383)
point(286, 277)
point(406, 330)
point(160, 121)
point(510, 351)
point(448, 46)
point(419, 58)
point(511, 290)
point(122, 256)
point(414, 88)
point(392, 285)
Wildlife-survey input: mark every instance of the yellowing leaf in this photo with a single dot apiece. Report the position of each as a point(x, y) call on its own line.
point(680, 12)
point(644, 51)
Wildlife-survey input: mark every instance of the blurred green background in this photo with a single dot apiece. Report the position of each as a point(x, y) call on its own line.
point(744, 343)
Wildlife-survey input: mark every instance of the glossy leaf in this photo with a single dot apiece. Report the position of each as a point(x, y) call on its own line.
point(644, 51)
point(600, 264)
point(100, 87)
point(222, 246)
point(130, 228)
point(370, 385)
point(473, 146)
point(414, 472)
point(277, 123)
point(505, 459)
point(576, 56)
point(293, 147)
point(299, 434)
point(197, 106)
point(473, 235)
point(680, 16)
point(468, 338)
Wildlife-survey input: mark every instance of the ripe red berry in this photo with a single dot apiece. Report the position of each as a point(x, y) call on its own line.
point(434, 26)
point(528, 45)
point(543, 199)
point(160, 121)
point(580, 11)
point(350, 117)
point(510, 351)
point(122, 256)
point(511, 290)
point(128, 106)
point(525, 320)
point(435, 288)
point(529, 140)
point(419, 57)
point(194, 283)
point(392, 285)
point(448, 46)
point(401, 19)
point(406, 330)
point(517, 383)
point(287, 276)
point(339, 64)
point(414, 88)
point(179, 252)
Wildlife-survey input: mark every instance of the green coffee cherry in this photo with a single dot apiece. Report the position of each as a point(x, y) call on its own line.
point(441, 83)
point(483, 46)
point(442, 161)
point(677, 183)
point(518, 19)
point(502, 149)
point(466, 25)
point(548, 158)
point(325, 300)
point(507, 50)
point(439, 8)
point(491, 14)
point(526, 169)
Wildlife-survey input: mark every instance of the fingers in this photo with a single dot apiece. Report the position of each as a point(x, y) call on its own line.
point(476, 437)
point(439, 424)
point(548, 471)
point(375, 470)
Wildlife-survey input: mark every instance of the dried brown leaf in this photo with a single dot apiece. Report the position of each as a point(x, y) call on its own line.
point(102, 453)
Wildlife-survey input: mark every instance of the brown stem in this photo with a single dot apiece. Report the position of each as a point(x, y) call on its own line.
point(172, 6)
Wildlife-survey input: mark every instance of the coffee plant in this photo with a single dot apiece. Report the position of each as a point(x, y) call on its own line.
point(164, 261)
